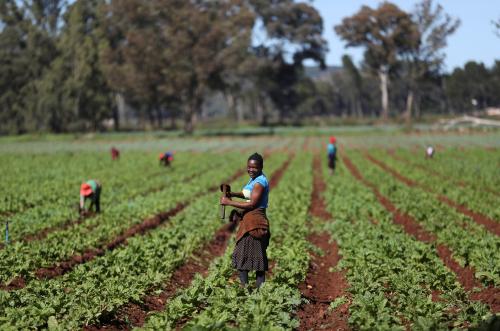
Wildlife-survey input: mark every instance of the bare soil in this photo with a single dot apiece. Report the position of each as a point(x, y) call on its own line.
point(321, 286)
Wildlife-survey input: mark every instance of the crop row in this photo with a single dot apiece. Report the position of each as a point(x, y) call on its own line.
point(120, 186)
point(22, 259)
point(471, 243)
point(396, 281)
point(476, 166)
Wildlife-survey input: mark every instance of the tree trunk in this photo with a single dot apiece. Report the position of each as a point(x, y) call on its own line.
point(359, 108)
point(232, 104)
point(189, 120)
point(190, 115)
point(409, 107)
point(417, 105)
point(384, 76)
point(159, 116)
point(121, 116)
point(239, 112)
point(259, 110)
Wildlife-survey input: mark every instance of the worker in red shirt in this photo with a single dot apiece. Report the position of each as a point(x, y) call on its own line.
point(115, 153)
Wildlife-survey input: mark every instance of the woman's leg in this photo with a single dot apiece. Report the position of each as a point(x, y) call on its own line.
point(243, 277)
point(261, 278)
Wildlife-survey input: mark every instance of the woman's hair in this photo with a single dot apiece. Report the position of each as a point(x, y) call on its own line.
point(257, 157)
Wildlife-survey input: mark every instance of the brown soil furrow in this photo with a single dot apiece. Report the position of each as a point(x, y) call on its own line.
point(490, 224)
point(465, 275)
point(321, 286)
point(147, 225)
point(134, 314)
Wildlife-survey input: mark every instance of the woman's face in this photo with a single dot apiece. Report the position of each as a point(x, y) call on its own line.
point(254, 168)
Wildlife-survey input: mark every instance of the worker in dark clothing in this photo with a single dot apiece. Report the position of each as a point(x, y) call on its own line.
point(90, 190)
point(166, 158)
point(332, 154)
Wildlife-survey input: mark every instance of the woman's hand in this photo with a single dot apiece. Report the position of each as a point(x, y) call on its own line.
point(225, 201)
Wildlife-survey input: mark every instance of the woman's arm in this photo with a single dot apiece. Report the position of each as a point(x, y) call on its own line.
point(236, 195)
point(257, 192)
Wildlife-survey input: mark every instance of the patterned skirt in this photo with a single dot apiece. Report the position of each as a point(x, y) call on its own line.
point(250, 253)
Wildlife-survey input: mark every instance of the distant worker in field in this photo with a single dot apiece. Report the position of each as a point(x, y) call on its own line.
point(252, 237)
point(90, 190)
point(332, 154)
point(166, 158)
point(429, 152)
point(115, 153)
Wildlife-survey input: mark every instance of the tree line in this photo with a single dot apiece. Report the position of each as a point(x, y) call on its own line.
point(74, 66)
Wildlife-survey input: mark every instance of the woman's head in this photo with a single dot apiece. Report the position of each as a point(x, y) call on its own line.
point(255, 164)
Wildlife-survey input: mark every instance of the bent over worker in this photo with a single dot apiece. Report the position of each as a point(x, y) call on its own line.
point(115, 153)
point(90, 190)
point(252, 237)
point(166, 158)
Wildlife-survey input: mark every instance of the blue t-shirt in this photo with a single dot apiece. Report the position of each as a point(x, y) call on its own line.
point(247, 190)
point(331, 149)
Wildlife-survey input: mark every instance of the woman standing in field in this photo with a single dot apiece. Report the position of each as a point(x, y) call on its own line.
point(252, 237)
point(332, 154)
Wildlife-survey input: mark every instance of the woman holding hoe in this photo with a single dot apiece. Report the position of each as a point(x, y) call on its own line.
point(252, 237)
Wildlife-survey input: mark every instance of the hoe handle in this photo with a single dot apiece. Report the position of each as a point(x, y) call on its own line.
point(225, 189)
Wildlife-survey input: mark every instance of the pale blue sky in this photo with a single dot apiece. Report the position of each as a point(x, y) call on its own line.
point(474, 40)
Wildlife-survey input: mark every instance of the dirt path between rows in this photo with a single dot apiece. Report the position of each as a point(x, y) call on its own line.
point(490, 224)
point(135, 314)
point(321, 287)
point(465, 275)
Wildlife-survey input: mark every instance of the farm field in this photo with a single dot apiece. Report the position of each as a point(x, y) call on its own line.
point(391, 240)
